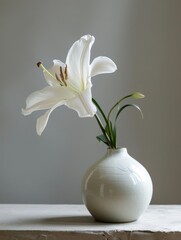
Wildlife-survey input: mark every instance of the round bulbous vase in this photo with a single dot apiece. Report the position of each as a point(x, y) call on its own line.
point(117, 188)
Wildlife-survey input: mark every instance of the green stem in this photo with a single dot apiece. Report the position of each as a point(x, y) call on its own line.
point(110, 132)
point(130, 95)
point(100, 109)
point(102, 128)
point(111, 140)
point(108, 119)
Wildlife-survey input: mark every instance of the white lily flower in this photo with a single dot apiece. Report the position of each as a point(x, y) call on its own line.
point(69, 83)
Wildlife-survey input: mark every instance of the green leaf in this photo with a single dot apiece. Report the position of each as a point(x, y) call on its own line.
point(133, 95)
point(125, 106)
point(102, 138)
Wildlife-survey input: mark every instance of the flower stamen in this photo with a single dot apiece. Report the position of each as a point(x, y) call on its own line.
point(58, 79)
point(62, 76)
point(66, 72)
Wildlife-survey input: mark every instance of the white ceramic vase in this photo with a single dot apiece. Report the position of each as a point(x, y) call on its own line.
point(117, 188)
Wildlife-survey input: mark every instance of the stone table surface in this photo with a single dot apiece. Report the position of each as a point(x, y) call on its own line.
point(73, 222)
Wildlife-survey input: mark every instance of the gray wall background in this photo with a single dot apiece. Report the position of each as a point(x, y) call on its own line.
point(143, 37)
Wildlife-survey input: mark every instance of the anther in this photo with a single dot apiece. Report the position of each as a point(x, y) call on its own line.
point(58, 79)
point(66, 72)
point(61, 74)
point(64, 82)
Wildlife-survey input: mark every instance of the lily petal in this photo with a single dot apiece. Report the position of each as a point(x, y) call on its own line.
point(78, 60)
point(46, 98)
point(102, 65)
point(83, 104)
point(43, 120)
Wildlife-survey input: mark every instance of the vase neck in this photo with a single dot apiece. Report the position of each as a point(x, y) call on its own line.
point(111, 151)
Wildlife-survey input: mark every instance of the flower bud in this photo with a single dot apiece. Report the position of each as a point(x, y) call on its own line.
point(138, 95)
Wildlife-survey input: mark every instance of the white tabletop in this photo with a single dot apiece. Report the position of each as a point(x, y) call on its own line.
point(74, 222)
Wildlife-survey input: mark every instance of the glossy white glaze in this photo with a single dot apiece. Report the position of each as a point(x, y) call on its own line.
point(117, 188)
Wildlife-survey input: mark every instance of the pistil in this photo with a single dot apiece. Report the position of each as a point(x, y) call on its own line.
point(39, 64)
